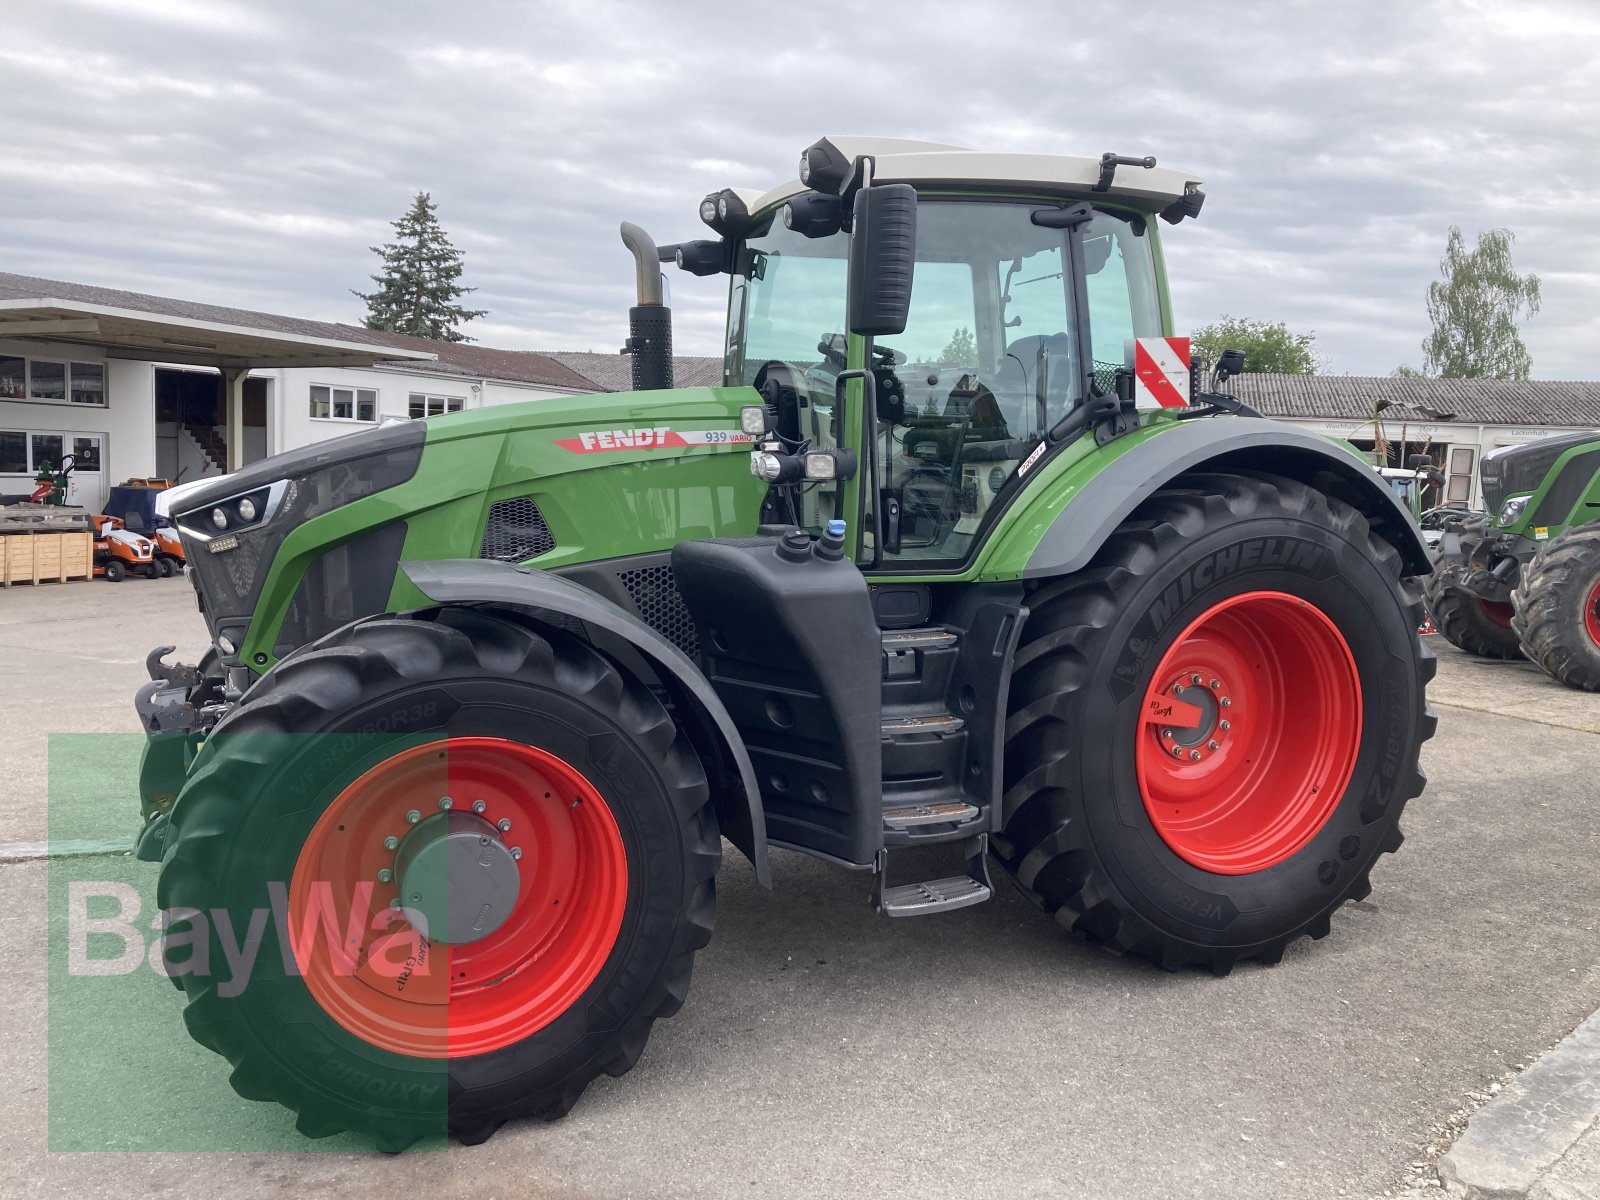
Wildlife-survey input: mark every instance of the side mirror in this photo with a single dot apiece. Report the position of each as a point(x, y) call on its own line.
point(883, 258)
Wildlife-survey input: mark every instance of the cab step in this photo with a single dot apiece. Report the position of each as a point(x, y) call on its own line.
point(937, 723)
point(935, 895)
point(907, 816)
point(918, 639)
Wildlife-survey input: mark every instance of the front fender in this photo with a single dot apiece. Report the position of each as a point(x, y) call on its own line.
point(1218, 444)
point(541, 595)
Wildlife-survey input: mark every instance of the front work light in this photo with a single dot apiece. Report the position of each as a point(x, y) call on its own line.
point(814, 215)
point(753, 419)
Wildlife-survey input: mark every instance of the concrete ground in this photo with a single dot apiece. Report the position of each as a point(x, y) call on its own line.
point(827, 1051)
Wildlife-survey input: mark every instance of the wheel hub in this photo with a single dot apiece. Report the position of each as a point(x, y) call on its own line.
point(1202, 716)
point(457, 879)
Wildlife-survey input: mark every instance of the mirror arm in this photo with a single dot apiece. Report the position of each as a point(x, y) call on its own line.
point(869, 433)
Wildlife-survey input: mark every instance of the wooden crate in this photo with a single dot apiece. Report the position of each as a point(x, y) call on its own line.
point(45, 557)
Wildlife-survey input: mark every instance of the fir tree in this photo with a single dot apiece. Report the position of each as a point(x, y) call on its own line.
point(419, 286)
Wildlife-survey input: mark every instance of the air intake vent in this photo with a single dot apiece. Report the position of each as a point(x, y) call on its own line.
point(516, 531)
point(656, 596)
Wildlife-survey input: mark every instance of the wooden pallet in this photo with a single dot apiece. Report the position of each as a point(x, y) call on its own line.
point(42, 518)
point(45, 557)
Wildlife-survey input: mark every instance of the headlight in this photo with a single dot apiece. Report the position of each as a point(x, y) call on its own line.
point(247, 509)
point(1511, 511)
point(219, 518)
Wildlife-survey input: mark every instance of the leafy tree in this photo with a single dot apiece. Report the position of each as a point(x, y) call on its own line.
point(1474, 310)
point(1268, 346)
point(1407, 371)
point(962, 348)
point(418, 287)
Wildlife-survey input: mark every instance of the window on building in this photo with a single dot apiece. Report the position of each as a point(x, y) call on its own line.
point(13, 378)
point(329, 403)
point(88, 383)
point(26, 452)
point(47, 380)
point(13, 452)
point(47, 450)
point(85, 453)
point(433, 406)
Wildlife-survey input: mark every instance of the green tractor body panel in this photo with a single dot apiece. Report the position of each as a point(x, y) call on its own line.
point(1538, 490)
point(612, 476)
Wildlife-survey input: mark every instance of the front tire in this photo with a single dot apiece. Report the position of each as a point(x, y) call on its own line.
point(1467, 621)
point(1222, 826)
point(1558, 607)
point(308, 796)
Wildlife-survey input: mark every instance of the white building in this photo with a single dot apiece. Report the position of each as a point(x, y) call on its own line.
point(136, 386)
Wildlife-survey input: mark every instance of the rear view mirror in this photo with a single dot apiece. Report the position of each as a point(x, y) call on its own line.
point(883, 256)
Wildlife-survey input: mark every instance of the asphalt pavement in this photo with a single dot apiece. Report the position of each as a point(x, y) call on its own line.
point(828, 1051)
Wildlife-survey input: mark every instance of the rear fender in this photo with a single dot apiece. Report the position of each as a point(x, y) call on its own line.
point(550, 599)
point(1222, 443)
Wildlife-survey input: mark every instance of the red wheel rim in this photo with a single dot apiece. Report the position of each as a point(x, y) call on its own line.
point(1249, 732)
point(1499, 612)
point(1591, 614)
point(369, 968)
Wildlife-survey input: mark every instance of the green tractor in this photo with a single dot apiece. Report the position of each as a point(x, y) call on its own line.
point(490, 690)
point(1524, 578)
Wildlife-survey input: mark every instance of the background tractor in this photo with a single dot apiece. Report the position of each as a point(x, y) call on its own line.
point(489, 690)
point(1524, 578)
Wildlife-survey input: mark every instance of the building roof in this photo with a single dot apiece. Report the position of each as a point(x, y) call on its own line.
point(614, 372)
point(1570, 403)
point(134, 324)
point(485, 362)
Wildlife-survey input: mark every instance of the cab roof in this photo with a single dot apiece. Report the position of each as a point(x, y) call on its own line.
point(936, 164)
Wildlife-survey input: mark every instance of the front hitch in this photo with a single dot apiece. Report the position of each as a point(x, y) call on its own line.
point(176, 708)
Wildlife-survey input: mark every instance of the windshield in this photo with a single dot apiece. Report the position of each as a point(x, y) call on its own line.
point(986, 365)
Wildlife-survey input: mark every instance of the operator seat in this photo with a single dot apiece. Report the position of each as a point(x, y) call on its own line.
point(1028, 408)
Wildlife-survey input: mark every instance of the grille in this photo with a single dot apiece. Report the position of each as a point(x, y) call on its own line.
point(656, 596)
point(516, 531)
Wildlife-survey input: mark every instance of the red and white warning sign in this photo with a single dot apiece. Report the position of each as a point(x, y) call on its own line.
point(652, 437)
point(1160, 367)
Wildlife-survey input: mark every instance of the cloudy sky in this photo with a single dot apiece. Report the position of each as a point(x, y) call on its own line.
point(249, 153)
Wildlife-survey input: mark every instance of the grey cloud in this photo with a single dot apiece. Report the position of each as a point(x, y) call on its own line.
point(249, 154)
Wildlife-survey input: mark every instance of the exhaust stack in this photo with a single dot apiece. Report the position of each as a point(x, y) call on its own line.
point(650, 320)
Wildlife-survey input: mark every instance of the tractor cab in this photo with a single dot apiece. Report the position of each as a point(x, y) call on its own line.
point(1017, 302)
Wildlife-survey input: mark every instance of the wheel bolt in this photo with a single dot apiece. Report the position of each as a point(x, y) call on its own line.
point(1195, 679)
point(446, 803)
point(1213, 745)
point(1225, 702)
point(516, 852)
point(1177, 689)
point(1194, 755)
point(1216, 685)
point(1167, 733)
point(478, 806)
point(1224, 725)
point(413, 816)
point(385, 875)
point(503, 824)
point(395, 903)
point(1177, 751)
point(391, 843)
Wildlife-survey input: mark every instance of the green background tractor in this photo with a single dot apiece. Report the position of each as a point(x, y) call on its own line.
point(491, 689)
point(1524, 579)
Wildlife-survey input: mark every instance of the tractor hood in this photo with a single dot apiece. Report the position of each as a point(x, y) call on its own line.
point(298, 544)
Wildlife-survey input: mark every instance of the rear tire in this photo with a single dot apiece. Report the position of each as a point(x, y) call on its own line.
point(1558, 607)
point(115, 571)
point(1219, 569)
point(1468, 622)
point(262, 800)
point(164, 565)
